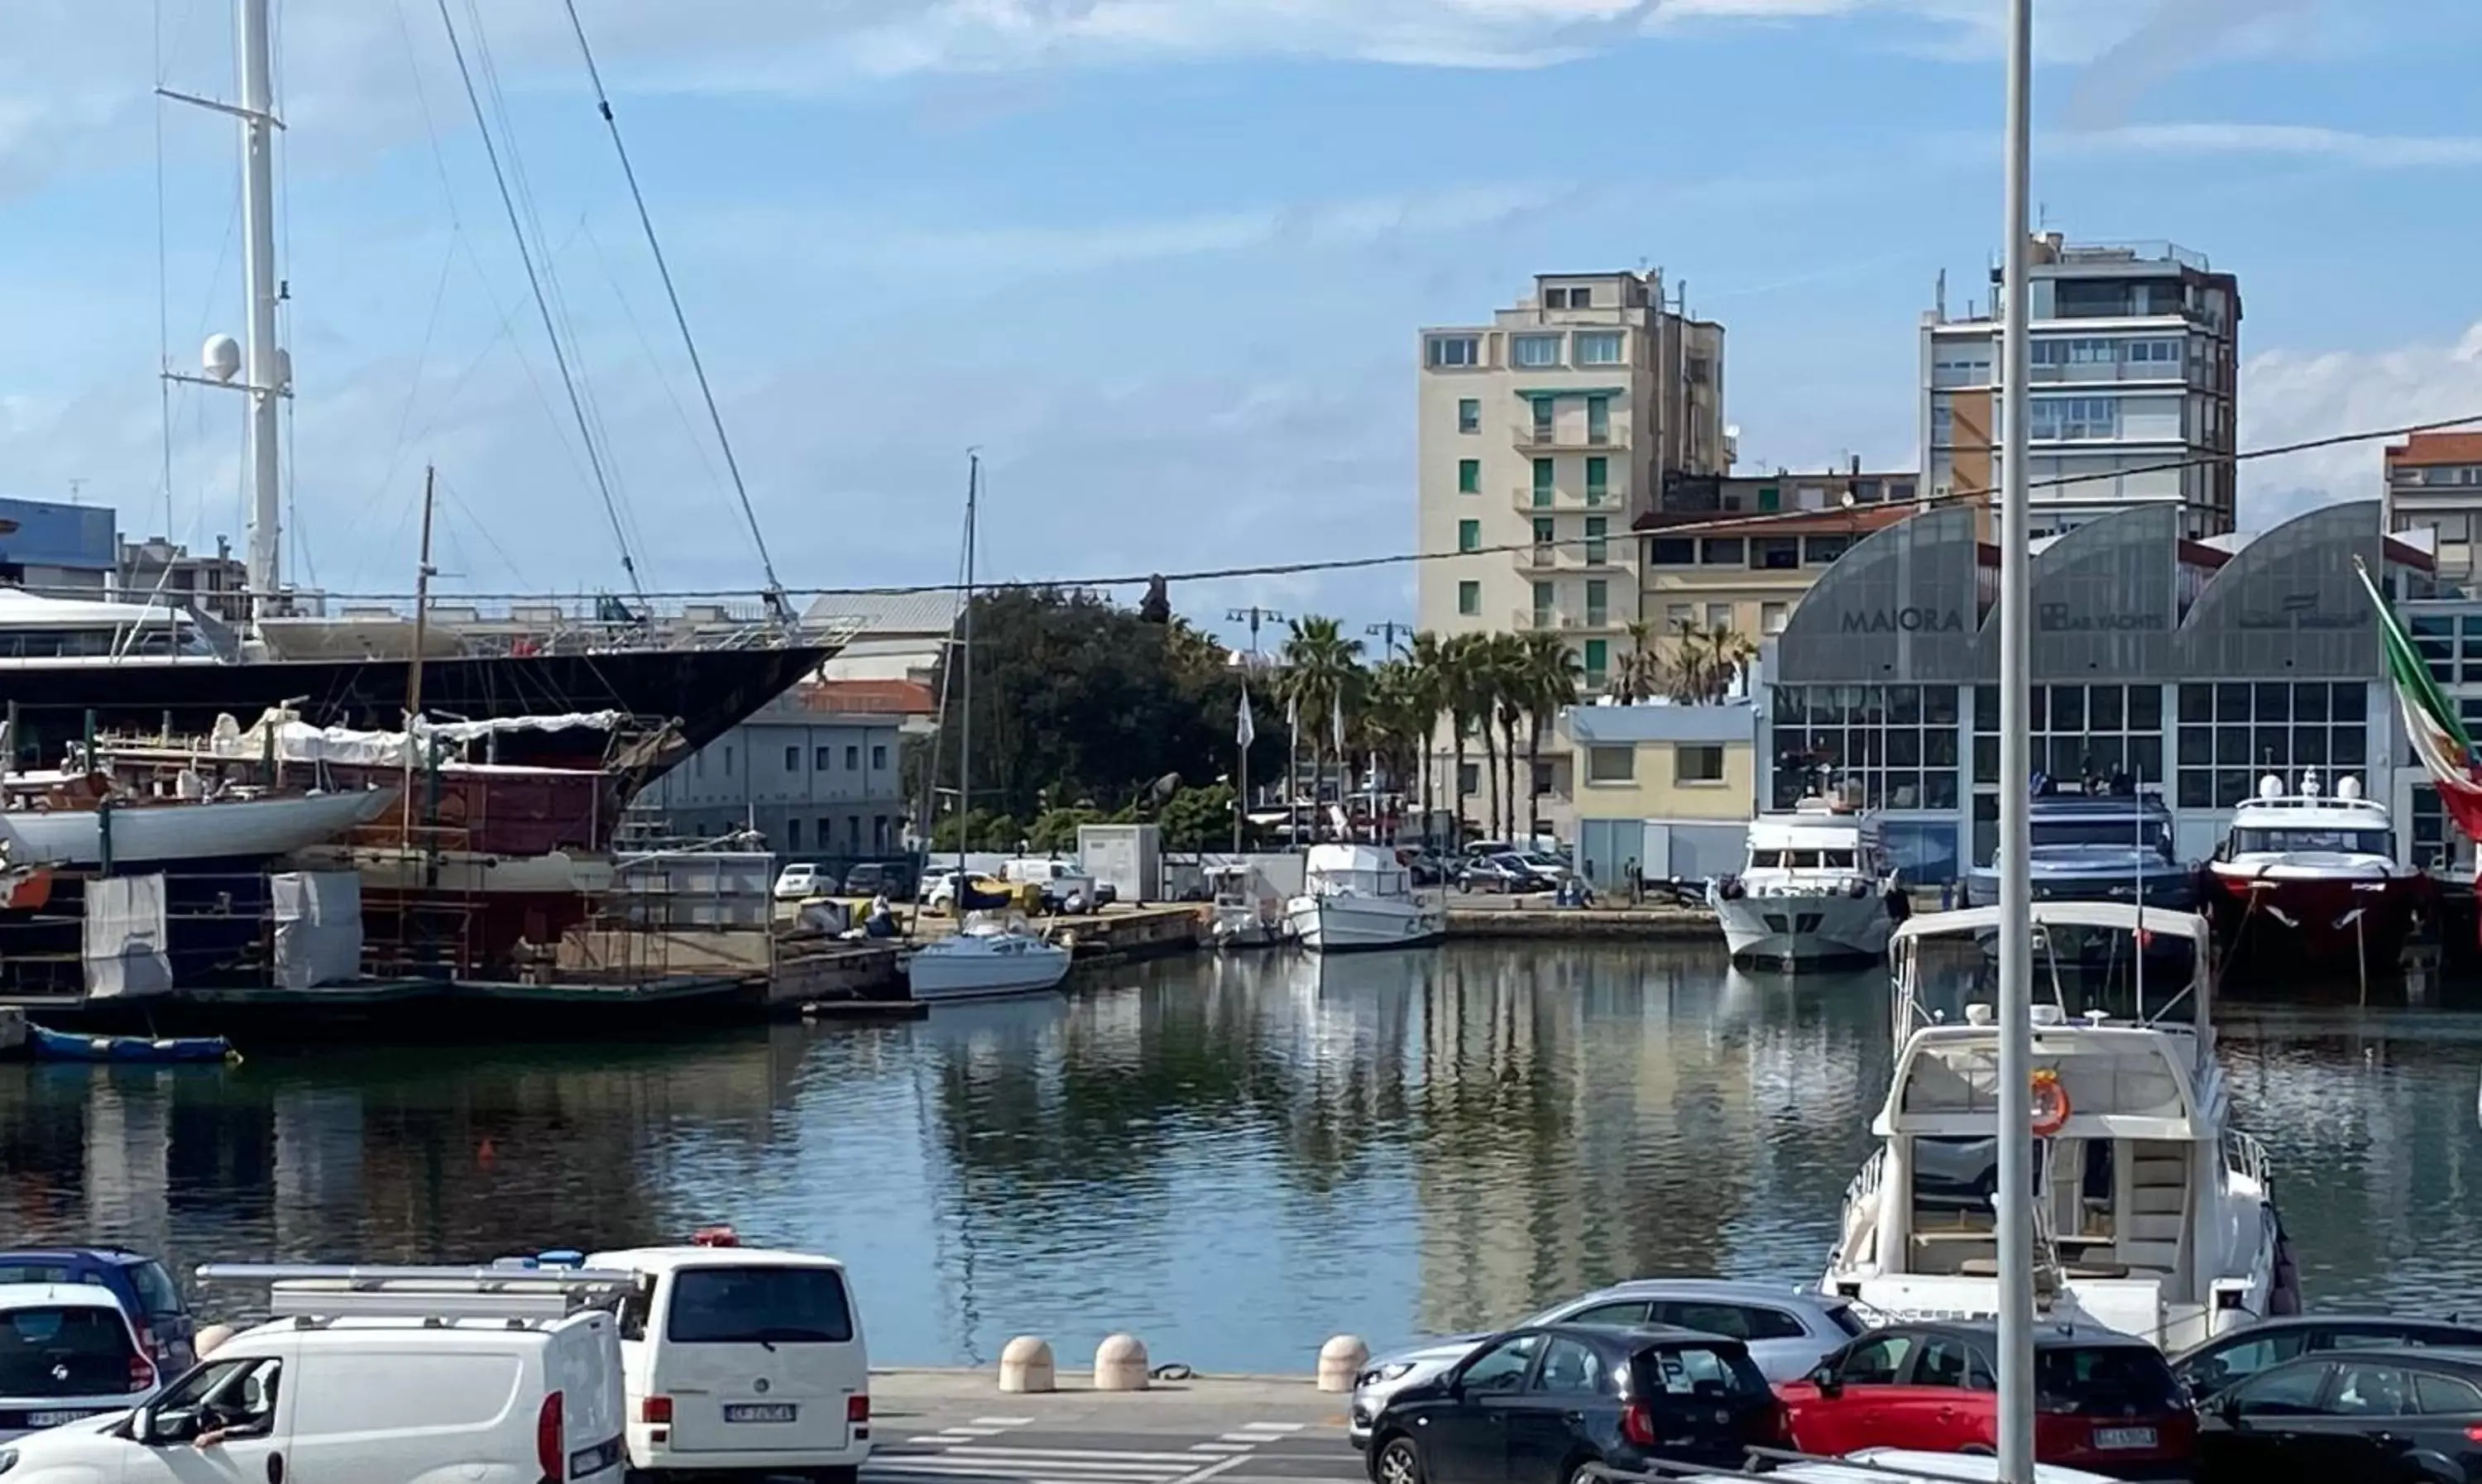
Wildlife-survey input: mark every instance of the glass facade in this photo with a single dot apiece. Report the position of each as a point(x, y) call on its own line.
point(1899, 742)
point(2233, 732)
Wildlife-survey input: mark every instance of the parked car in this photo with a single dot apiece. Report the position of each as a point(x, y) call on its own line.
point(68, 1351)
point(1539, 1405)
point(146, 1293)
point(1786, 1332)
point(1897, 1466)
point(1060, 881)
point(1427, 869)
point(802, 880)
point(2103, 1400)
point(1508, 874)
point(2409, 1415)
point(1541, 864)
point(2227, 1360)
point(892, 879)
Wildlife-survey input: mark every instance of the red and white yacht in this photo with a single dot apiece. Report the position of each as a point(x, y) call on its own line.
point(2310, 881)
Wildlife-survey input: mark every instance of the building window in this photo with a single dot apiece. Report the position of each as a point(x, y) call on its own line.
point(728, 762)
point(793, 835)
point(1537, 350)
point(1469, 780)
point(852, 760)
point(1698, 762)
point(792, 759)
point(1671, 552)
point(1456, 350)
point(822, 759)
point(1544, 538)
point(1679, 616)
point(1598, 347)
point(1775, 553)
point(1595, 550)
point(1543, 413)
point(1468, 415)
point(879, 758)
point(1468, 536)
point(1723, 551)
point(1598, 662)
point(1597, 607)
point(1542, 779)
point(1823, 550)
point(1469, 600)
point(1598, 479)
point(1942, 422)
point(853, 833)
point(1897, 744)
point(1542, 602)
point(1611, 764)
point(2067, 418)
point(1772, 618)
point(2232, 733)
point(827, 832)
point(1719, 617)
point(1543, 480)
point(1961, 366)
point(1569, 298)
point(1598, 420)
point(1469, 476)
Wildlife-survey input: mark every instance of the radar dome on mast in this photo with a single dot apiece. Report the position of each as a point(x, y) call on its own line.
point(2348, 787)
point(2270, 786)
point(221, 357)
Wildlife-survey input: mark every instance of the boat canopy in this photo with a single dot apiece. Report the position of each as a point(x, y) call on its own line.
point(1366, 868)
point(298, 741)
point(2120, 1082)
point(2113, 917)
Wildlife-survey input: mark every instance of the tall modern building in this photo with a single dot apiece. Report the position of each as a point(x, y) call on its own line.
point(2136, 366)
point(1544, 436)
point(2434, 482)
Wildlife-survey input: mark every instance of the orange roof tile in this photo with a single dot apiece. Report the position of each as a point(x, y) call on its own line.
point(2423, 448)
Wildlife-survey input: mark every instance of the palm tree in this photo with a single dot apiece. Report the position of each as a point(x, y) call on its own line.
point(1638, 676)
point(1506, 669)
point(1322, 676)
point(1466, 688)
point(1548, 680)
point(1426, 680)
point(1395, 720)
point(1705, 663)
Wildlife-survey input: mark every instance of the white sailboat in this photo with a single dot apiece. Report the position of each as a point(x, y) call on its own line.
point(993, 954)
point(182, 833)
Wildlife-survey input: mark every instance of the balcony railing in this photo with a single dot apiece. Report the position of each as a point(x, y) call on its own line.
point(1535, 498)
point(1535, 436)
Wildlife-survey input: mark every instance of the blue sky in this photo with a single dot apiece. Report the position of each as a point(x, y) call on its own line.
point(1162, 259)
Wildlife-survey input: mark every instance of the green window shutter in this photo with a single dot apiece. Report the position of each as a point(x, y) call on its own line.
point(1542, 531)
point(1468, 598)
point(1469, 476)
point(1468, 536)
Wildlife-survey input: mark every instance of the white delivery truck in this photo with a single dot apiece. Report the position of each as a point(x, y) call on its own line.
point(484, 1376)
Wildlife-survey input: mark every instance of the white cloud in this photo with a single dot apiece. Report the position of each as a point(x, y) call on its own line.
point(2373, 151)
point(2296, 396)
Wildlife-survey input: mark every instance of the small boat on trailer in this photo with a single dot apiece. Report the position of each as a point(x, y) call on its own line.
point(2154, 1216)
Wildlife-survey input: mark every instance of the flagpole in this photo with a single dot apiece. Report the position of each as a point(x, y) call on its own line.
point(1245, 735)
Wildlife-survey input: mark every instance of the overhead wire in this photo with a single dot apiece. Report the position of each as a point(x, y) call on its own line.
point(672, 295)
point(577, 408)
point(1734, 522)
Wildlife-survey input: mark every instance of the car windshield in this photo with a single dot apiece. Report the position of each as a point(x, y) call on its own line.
point(2111, 1380)
point(727, 1306)
point(51, 1350)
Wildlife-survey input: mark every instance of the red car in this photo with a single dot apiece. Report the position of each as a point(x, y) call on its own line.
point(2105, 1402)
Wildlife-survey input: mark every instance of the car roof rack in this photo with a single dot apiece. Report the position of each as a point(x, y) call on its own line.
point(1760, 1463)
point(307, 1290)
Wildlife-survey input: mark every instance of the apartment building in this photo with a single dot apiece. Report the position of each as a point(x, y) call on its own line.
point(2434, 481)
point(1708, 570)
point(1544, 436)
point(2136, 365)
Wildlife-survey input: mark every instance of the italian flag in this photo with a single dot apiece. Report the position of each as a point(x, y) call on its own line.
point(2439, 738)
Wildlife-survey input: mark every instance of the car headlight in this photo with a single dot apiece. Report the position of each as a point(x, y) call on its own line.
point(1393, 1371)
point(7, 1459)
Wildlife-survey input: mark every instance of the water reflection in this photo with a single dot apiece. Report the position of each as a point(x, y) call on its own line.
point(1232, 1157)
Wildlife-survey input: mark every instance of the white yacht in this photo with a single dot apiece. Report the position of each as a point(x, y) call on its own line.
point(1358, 897)
point(2155, 1217)
point(1817, 889)
point(992, 956)
point(2310, 881)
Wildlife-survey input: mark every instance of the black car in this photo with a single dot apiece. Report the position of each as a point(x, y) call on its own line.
point(2227, 1360)
point(892, 879)
point(1537, 1405)
point(2368, 1417)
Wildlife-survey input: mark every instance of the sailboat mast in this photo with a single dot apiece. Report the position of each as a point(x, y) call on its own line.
point(263, 365)
point(966, 670)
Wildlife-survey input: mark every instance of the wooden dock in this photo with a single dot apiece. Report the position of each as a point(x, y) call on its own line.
point(1663, 924)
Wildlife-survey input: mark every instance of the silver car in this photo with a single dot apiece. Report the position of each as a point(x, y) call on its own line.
point(1787, 1332)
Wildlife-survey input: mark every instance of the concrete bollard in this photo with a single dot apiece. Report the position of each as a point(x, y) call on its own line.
point(1340, 1359)
point(1025, 1364)
point(1120, 1365)
point(211, 1339)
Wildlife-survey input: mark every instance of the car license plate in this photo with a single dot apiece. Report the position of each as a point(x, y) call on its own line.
point(55, 1418)
point(783, 1412)
point(2124, 1437)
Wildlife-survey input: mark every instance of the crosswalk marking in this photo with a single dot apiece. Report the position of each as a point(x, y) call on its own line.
point(962, 1452)
point(1224, 1447)
point(1002, 1421)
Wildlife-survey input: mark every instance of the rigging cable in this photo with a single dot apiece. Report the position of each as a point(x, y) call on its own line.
point(681, 317)
point(576, 408)
point(162, 283)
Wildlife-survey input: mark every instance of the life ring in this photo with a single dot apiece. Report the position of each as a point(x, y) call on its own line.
point(2050, 1103)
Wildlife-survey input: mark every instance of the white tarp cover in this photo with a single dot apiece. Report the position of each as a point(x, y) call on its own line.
point(128, 947)
point(298, 741)
point(318, 927)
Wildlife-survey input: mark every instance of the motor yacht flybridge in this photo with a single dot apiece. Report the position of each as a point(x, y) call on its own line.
point(2152, 1215)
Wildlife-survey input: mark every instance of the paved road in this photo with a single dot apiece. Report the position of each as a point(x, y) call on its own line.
point(960, 1431)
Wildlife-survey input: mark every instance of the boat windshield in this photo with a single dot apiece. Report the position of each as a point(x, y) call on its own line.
point(2296, 839)
point(2152, 833)
point(1801, 860)
point(1944, 988)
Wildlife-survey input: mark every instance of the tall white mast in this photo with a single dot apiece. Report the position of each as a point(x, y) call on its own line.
point(264, 364)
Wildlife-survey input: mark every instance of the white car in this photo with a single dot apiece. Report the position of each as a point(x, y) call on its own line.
point(802, 880)
point(68, 1352)
point(1787, 1330)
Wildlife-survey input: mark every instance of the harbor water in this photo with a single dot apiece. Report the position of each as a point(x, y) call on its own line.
point(1231, 1158)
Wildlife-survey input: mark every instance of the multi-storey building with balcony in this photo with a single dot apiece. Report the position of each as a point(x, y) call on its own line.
point(2136, 366)
point(1739, 552)
point(1544, 435)
point(2435, 482)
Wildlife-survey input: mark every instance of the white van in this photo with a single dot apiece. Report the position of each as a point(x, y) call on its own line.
point(742, 1360)
point(481, 1398)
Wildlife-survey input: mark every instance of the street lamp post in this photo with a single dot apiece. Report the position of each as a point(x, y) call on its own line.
point(2013, 1219)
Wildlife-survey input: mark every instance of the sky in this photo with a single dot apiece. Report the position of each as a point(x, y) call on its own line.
point(1162, 261)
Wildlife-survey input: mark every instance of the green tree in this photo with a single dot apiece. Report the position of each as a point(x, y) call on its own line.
point(1509, 701)
point(1322, 680)
point(1198, 818)
point(1465, 690)
point(1426, 686)
point(1548, 679)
